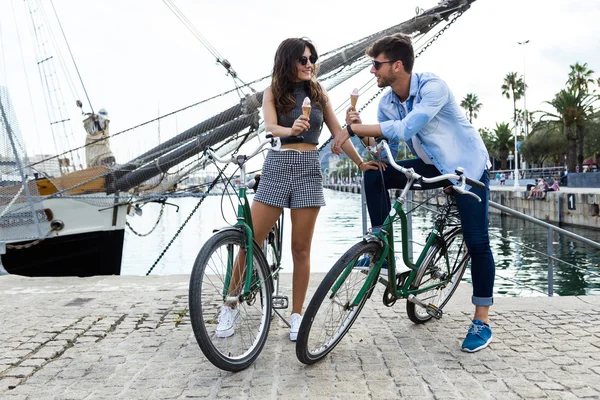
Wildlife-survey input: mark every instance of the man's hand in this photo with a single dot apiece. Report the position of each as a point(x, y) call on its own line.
point(338, 141)
point(300, 125)
point(352, 116)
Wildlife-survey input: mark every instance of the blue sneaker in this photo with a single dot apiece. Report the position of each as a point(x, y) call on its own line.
point(478, 337)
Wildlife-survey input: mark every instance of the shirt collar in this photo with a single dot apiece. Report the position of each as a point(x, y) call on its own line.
point(414, 88)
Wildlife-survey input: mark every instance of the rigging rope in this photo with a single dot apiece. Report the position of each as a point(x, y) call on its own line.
point(220, 60)
point(72, 57)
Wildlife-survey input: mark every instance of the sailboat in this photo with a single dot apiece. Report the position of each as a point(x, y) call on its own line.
point(76, 225)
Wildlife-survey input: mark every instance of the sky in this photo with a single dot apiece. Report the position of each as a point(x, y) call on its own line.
point(138, 60)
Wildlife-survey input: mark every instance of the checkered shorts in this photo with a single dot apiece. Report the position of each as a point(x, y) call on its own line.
point(291, 179)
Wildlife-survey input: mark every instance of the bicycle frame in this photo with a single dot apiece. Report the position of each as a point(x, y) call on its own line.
point(244, 223)
point(385, 237)
point(244, 220)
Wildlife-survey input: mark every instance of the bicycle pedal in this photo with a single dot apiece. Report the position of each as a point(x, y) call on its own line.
point(434, 311)
point(280, 302)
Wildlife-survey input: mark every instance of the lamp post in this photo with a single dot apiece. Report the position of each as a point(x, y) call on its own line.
point(510, 158)
point(525, 116)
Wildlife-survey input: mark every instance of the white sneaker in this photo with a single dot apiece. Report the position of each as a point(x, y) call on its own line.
point(227, 318)
point(295, 322)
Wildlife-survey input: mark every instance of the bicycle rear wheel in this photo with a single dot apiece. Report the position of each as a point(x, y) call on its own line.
point(208, 294)
point(445, 264)
point(330, 315)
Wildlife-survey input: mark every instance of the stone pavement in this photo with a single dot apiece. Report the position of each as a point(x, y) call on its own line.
point(130, 338)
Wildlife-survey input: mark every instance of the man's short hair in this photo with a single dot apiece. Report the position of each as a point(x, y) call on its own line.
point(395, 47)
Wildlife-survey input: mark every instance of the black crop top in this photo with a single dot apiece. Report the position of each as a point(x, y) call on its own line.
point(315, 118)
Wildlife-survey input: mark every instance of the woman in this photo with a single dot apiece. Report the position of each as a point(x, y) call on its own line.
point(292, 178)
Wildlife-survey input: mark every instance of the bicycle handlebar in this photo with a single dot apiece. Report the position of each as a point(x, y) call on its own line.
point(412, 176)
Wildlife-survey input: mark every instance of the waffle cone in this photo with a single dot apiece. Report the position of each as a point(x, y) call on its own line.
point(353, 99)
point(306, 110)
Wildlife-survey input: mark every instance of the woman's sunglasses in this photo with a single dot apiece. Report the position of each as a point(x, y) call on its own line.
point(304, 60)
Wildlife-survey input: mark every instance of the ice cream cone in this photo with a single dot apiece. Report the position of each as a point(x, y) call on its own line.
point(306, 110)
point(354, 97)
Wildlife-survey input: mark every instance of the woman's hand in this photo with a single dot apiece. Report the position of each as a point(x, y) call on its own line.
point(300, 125)
point(365, 166)
point(352, 116)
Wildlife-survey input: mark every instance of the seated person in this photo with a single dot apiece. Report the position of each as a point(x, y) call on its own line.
point(538, 190)
point(554, 187)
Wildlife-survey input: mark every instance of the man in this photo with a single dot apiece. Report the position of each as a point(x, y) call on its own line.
point(420, 111)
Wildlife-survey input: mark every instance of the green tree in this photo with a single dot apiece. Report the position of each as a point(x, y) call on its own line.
point(472, 105)
point(579, 79)
point(571, 108)
point(545, 142)
point(592, 138)
point(513, 86)
point(488, 140)
point(502, 142)
point(344, 169)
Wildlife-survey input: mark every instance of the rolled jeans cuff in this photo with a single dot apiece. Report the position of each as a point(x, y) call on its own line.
point(482, 301)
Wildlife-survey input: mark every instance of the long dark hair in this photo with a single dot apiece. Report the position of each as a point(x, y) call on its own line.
point(285, 72)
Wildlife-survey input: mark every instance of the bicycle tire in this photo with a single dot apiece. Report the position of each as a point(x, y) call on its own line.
point(433, 265)
point(206, 297)
point(318, 336)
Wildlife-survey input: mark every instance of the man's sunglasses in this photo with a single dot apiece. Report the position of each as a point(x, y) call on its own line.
point(304, 60)
point(378, 64)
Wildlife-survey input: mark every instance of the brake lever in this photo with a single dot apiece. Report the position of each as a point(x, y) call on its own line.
point(276, 143)
point(461, 190)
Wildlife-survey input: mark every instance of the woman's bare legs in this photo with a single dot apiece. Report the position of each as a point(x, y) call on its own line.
point(303, 226)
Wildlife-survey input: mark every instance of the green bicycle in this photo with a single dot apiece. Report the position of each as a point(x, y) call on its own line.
point(427, 285)
point(234, 285)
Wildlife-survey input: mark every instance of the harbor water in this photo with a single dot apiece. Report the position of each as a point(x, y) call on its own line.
point(519, 247)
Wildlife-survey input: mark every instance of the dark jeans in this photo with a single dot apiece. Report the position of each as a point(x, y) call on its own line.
point(473, 216)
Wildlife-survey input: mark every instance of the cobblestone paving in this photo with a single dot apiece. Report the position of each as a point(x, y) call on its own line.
point(131, 338)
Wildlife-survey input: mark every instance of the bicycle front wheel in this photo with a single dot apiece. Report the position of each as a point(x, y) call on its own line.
point(441, 272)
point(330, 314)
point(230, 326)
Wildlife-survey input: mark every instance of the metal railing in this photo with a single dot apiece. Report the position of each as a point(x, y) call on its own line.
point(551, 230)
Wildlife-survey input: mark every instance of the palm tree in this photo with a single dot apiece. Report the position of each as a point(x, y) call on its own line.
point(514, 87)
point(502, 142)
point(472, 105)
point(572, 108)
point(579, 78)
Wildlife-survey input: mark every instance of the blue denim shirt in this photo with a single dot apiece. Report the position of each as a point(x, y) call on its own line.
point(439, 124)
